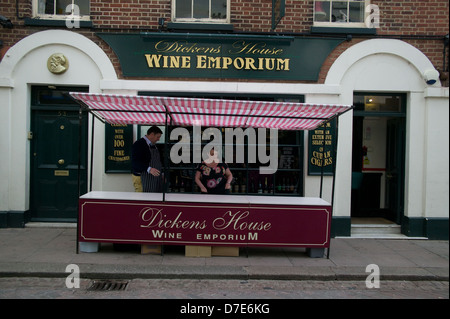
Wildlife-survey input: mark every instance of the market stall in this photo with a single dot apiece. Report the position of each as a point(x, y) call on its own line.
point(198, 219)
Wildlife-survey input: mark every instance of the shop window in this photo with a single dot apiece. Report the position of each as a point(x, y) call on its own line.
point(206, 11)
point(340, 13)
point(286, 181)
point(61, 9)
point(247, 179)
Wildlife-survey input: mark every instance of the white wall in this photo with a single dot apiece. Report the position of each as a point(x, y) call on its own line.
point(436, 168)
point(25, 65)
point(377, 65)
point(383, 65)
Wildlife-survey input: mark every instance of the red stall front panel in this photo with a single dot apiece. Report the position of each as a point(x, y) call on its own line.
point(195, 219)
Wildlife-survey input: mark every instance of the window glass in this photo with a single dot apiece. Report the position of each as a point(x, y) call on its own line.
point(356, 11)
point(378, 103)
point(49, 96)
point(184, 8)
point(84, 6)
point(339, 11)
point(58, 7)
point(61, 6)
point(322, 11)
point(218, 9)
point(201, 10)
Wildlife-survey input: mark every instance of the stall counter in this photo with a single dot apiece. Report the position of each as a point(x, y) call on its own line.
point(202, 219)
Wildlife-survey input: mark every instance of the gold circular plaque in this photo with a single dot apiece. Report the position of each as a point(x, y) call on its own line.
point(57, 63)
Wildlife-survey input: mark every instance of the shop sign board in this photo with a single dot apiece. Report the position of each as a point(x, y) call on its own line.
point(176, 55)
point(216, 224)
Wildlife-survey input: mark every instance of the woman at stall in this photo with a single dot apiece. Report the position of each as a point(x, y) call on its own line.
point(213, 177)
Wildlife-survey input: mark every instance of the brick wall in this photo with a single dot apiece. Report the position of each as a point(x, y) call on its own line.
point(420, 23)
point(134, 14)
point(428, 17)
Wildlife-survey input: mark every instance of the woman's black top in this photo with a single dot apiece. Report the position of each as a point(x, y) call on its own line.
point(213, 178)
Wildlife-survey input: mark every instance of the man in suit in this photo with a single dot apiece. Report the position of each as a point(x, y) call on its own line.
point(146, 162)
point(146, 166)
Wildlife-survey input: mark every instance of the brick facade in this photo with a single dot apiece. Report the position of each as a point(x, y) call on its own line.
point(423, 24)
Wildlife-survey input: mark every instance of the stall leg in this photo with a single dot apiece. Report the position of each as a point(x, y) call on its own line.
point(88, 247)
point(315, 252)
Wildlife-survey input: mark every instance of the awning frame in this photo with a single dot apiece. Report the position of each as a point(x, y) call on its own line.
point(169, 121)
point(208, 112)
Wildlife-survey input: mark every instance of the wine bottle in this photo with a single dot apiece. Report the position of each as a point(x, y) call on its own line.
point(236, 185)
point(175, 187)
point(266, 189)
point(243, 186)
point(278, 187)
point(182, 186)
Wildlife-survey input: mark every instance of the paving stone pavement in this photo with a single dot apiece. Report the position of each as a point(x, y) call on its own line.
point(46, 252)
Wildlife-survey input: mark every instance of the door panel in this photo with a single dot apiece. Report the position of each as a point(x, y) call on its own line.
point(54, 164)
point(395, 169)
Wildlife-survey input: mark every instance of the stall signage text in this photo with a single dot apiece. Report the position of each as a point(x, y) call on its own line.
point(321, 149)
point(180, 223)
point(118, 141)
point(163, 227)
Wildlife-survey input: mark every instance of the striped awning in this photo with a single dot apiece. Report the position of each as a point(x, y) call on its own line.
point(153, 110)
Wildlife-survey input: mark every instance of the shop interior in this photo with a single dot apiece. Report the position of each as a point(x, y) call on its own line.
point(378, 158)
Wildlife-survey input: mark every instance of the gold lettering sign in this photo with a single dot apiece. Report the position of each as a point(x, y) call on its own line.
point(321, 141)
point(243, 55)
point(118, 144)
point(220, 56)
point(119, 139)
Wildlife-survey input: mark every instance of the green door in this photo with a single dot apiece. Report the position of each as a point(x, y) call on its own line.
point(54, 164)
point(395, 150)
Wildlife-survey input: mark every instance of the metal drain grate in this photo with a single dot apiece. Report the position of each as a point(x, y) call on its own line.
point(107, 285)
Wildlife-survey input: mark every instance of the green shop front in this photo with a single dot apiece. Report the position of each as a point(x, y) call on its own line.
point(380, 171)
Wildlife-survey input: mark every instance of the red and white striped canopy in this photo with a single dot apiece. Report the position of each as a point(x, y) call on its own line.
point(152, 110)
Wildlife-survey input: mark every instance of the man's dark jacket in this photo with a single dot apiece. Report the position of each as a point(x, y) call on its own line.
point(140, 156)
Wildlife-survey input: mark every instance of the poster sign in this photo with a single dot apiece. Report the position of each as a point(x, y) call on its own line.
point(321, 149)
point(118, 143)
